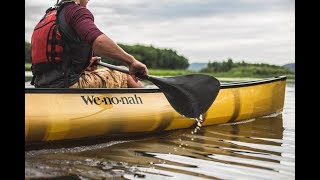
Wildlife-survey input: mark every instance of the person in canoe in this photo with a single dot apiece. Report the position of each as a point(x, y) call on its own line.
point(63, 45)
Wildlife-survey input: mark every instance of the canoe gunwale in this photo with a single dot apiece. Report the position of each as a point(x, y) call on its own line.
point(146, 90)
point(92, 90)
point(253, 82)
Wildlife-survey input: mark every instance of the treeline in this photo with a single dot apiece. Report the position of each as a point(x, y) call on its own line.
point(153, 57)
point(242, 68)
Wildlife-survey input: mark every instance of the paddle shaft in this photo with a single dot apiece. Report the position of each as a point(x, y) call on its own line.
point(124, 70)
point(117, 68)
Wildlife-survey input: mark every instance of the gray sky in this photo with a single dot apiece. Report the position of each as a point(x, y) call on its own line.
point(257, 31)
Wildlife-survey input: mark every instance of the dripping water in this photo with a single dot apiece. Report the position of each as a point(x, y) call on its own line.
point(198, 126)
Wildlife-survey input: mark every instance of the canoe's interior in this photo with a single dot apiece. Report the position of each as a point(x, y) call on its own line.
point(224, 85)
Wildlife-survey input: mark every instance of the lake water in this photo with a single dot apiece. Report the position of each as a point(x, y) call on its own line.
point(263, 148)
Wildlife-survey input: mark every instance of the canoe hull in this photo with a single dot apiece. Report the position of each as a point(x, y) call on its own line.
point(60, 114)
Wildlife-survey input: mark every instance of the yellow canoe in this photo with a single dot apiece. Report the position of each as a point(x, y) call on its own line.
point(64, 114)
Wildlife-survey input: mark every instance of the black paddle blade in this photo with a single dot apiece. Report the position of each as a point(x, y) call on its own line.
point(190, 95)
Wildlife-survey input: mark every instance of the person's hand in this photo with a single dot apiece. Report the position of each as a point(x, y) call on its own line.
point(93, 63)
point(138, 68)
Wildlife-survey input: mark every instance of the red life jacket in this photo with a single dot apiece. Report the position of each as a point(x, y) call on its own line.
point(57, 50)
point(46, 40)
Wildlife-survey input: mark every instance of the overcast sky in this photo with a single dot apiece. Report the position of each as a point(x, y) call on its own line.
point(257, 31)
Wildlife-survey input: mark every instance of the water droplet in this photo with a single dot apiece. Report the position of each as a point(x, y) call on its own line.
point(199, 121)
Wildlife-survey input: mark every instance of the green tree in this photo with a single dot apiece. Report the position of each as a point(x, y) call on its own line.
point(27, 52)
point(154, 57)
point(243, 69)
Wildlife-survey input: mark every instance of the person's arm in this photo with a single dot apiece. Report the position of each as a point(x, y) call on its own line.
point(105, 46)
point(82, 21)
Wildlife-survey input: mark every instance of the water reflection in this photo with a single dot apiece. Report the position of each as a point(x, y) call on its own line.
point(258, 149)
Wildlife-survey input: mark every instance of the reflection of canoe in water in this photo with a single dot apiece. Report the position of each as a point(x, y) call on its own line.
point(61, 114)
